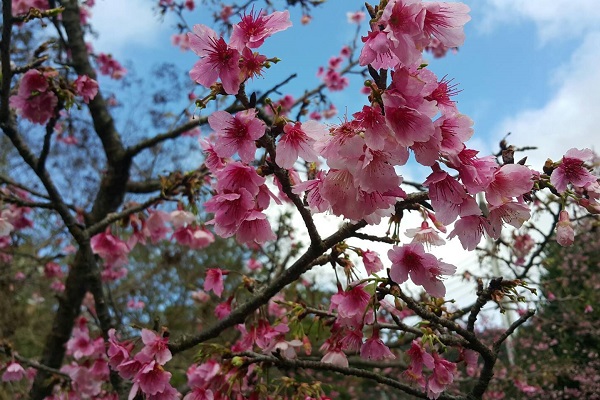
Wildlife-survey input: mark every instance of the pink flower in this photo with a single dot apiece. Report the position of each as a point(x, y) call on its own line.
point(156, 227)
point(194, 237)
point(235, 176)
point(335, 357)
point(443, 375)
point(230, 210)
point(218, 60)
point(118, 352)
point(110, 248)
point(510, 180)
point(296, 142)
point(222, 310)
point(156, 346)
point(375, 349)
point(5, 227)
point(109, 66)
point(424, 269)
point(371, 261)
point(214, 281)
point(236, 133)
point(23, 6)
point(445, 22)
point(469, 230)
point(425, 234)
point(151, 379)
point(572, 170)
point(355, 17)
point(86, 87)
point(565, 236)
point(14, 372)
point(254, 28)
point(255, 228)
point(34, 100)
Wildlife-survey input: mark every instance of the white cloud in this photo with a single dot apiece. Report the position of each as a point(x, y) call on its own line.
point(570, 118)
point(122, 24)
point(555, 19)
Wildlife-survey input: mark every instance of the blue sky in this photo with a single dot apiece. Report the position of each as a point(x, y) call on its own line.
point(527, 66)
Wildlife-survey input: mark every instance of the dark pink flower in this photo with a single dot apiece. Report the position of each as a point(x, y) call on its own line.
point(86, 87)
point(296, 143)
point(375, 349)
point(156, 346)
point(510, 180)
point(34, 99)
point(218, 60)
point(254, 28)
point(214, 281)
point(572, 170)
point(236, 133)
point(151, 379)
point(424, 269)
point(222, 310)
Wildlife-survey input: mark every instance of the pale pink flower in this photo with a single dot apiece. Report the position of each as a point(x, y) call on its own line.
point(456, 129)
point(194, 237)
point(86, 87)
point(236, 133)
point(377, 51)
point(425, 234)
point(375, 349)
point(355, 17)
point(335, 357)
point(512, 213)
point(469, 230)
point(445, 22)
point(200, 296)
point(14, 372)
point(424, 268)
point(156, 346)
point(255, 228)
point(80, 344)
point(218, 60)
point(181, 40)
point(156, 227)
point(588, 309)
point(314, 189)
point(296, 143)
point(222, 310)
point(510, 180)
point(371, 261)
point(572, 170)
point(565, 236)
point(254, 28)
point(214, 281)
point(5, 227)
